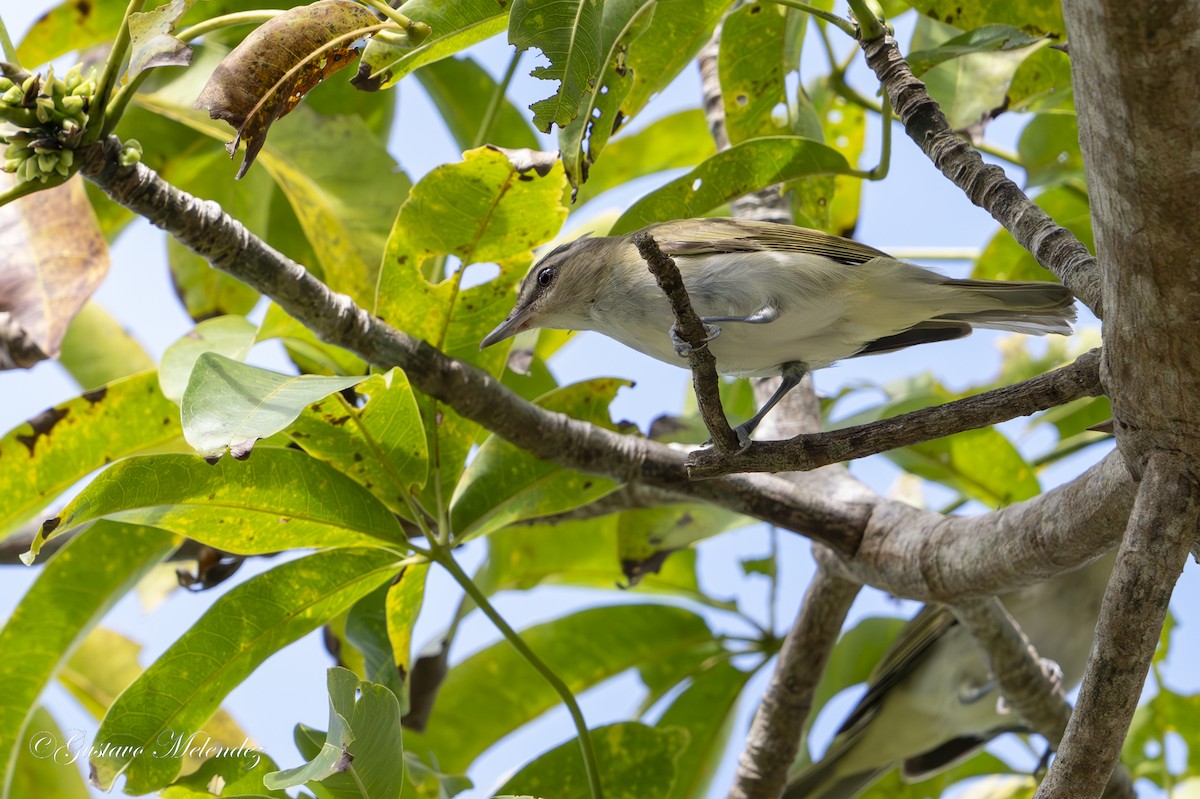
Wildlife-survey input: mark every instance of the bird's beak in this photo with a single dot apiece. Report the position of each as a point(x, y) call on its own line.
point(517, 321)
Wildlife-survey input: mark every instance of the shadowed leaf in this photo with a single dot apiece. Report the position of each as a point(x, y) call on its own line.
point(151, 42)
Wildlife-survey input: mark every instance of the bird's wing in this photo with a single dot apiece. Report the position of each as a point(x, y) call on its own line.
point(716, 235)
point(905, 654)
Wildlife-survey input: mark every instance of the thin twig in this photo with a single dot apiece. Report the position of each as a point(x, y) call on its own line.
point(692, 331)
point(810, 451)
point(778, 728)
point(986, 185)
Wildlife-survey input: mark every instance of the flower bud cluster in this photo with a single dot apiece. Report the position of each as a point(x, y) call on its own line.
point(51, 114)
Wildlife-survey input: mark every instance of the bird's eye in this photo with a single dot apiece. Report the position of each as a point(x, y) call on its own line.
point(545, 276)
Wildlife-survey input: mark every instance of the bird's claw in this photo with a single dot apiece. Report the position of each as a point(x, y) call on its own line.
point(743, 436)
point(683, 349)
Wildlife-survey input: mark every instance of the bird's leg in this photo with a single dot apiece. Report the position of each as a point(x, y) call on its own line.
point(762, 316)
point(793, 372)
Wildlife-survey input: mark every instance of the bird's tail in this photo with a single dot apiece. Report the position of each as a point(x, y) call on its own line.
point(1030, 307)
point(821, 781)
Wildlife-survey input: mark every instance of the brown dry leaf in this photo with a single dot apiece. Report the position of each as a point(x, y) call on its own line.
point(52, 257)
point(268, 74)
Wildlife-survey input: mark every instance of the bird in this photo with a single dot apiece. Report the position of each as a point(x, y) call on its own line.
point(777, 300)
point(931, 702)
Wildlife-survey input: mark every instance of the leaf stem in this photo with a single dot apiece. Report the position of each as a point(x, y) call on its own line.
point(417, 31)
point(870, 27)
point(998, 152)
point(6, 44)
point(885, 154)
point(497, 99)
point(108, 78)
point(446, 559)
point(833, 19)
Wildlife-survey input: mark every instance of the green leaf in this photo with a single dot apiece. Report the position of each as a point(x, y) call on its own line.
point(37, 771)
point(706, 710)
point(679, 140)
point(73, 591)
point(462, 90)
point(229, 404)
point(358, 759)
point(456, 26)
point(647, 534)
point(623, 22)
point(239, 775)
point(677, 32)
point(751, 65)
point(582, 553)
point(312, 355)
point(987, 39)
point(98, 350)
point(1004, 259)
point(568, 34)
point(981, 464)
point(230, 336)
point(971, 88)
point(1034, 16)
point(180, 690)
point(583, 649)
point(381, 445)
point(279, 499)
point(505, 484)
point(366, 629)
point(41, 458)
point(1042, 83)
point(150, 41)
point(635, 762)
point(893, 786)
point(741, 169)
point(402, 607)
point(1049, 150)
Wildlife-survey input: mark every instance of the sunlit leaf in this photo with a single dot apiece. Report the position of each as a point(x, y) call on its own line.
point(41, 458)
point(1049, 150)
point(54, 258)
point(504, 484)
point(231, 336)
point(456, 26)
point(1004, 259)
point(751, 67)
point(582, 649)
point(677, 32)
point(635, 762)
point(986, 39)
point(235, 773)
point(98, 350)
point(72, 592)
point(180, 690)
point(706, 710)
point(741, 169)
point(267, 75)
point(1034, 16)
point(279, 499)
point(37, 772)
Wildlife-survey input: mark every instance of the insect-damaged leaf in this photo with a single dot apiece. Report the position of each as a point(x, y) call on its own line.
point(152, 44)
point(268, 74)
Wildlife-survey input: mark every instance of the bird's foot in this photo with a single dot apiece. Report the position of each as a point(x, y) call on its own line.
point(683, 349)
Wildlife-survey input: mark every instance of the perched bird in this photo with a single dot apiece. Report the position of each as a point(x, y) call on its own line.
point(788, 300)
point(932, 701)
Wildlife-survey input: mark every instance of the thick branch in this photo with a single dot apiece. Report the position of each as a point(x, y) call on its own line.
point(1162, 529)
point(778, 727)
point(989, 554)
point(804, 452)
point(692, 331)
point(1054, 247)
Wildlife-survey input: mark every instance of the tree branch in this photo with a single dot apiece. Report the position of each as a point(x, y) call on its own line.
point(804, 452)
point(692, 331)
point(777, 731)
point(986, 185)
point(1162, 529)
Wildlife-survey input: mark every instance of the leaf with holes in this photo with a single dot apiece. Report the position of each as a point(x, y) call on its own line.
point(268, 74)
point(150, 41)
point(622, 23)
point(568, 32)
